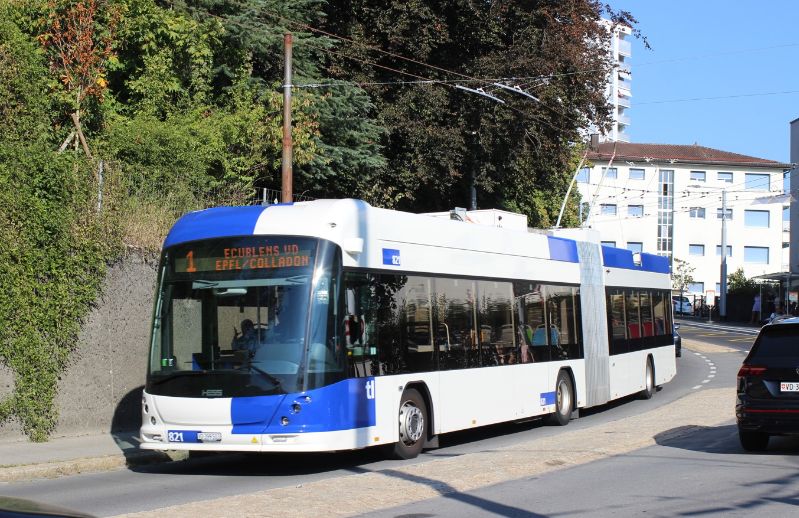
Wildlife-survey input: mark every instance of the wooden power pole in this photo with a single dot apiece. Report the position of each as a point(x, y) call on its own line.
point(286, 169)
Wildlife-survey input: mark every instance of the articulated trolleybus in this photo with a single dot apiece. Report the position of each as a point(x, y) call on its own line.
point(334, 325)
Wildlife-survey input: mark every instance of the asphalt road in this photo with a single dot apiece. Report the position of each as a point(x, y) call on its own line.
point(704, 473)
point(154, 487)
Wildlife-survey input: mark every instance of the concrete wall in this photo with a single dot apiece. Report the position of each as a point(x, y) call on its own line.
point(101, 389)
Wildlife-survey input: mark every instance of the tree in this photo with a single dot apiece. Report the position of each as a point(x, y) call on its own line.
point(682, 275)
point(738, 283)
point(441, 139)
point(78, 36)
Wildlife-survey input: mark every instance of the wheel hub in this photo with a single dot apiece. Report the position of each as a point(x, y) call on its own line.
point(411, 423)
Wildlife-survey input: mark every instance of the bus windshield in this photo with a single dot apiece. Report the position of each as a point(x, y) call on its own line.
point(246, 316)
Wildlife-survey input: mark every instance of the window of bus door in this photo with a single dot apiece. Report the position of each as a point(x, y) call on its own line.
point(633, 306)
point(495, 318)
point(417, 348)
point(231, 316)
point(359, 325)
point(531, 325)
point(617, 328)
point(562, 322)
point(647, 317)
point(454, 323)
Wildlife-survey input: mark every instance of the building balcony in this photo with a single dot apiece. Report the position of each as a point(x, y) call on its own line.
point(622, 137)
point(625, 48)
point(786, 226)
point(623, 119)
point(623, 101)
point(624, 74)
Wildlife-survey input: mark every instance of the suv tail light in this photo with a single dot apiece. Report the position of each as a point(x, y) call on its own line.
point(751, 370)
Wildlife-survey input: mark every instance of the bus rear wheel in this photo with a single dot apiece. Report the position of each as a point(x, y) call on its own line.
point(564, 399)
point(412, 426)
point(649, 381)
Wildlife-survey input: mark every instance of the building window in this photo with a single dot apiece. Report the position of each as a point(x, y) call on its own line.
point(698, 212)
point(756, 254)
point(696, 287)
point(584, 175)
point(635, 210)
point(729, 214)
point(697, 176)
point(757, 182)
point(609, 243)
point(718, 288)
point(635, 247)
point(756, 218)
point(637, 174)
point(610, 173)
point(724, 177)
point(608, 209)
point(696, 249)
point(729, 250)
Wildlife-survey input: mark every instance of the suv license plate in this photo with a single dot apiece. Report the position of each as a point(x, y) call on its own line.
point(789, 386)
point(217, 436)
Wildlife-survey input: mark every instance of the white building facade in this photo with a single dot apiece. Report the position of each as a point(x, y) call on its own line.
point(667, 199)
point(619, 88)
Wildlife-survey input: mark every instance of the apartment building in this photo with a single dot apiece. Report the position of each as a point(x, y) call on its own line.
point(619, 89)
point(667, 199)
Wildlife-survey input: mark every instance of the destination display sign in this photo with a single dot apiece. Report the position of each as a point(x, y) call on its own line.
point(222, 259)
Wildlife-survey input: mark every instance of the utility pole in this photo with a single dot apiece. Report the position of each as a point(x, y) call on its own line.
point(723, 283)
point(286, 166)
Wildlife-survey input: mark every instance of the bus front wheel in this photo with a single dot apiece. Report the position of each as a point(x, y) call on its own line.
point(649, 381)
point(564, 398)
point(412, 425)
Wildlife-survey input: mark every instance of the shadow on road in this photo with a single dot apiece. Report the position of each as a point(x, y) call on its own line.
point(720, 440)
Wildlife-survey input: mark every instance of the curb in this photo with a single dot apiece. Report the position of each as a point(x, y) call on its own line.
point(28, 472)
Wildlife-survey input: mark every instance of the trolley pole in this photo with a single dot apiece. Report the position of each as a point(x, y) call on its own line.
point(286, 166)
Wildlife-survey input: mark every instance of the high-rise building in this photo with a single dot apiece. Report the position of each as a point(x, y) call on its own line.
point(619, 91)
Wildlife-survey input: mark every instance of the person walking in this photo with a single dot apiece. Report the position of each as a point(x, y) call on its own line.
point(756, 310)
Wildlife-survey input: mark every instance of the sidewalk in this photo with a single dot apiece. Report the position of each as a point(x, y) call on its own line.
point(740, 327)
point(23, 460)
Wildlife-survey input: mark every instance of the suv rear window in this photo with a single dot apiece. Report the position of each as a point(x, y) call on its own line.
point(779, 341)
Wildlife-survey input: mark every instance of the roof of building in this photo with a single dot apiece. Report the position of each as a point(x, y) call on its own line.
point(689, 154)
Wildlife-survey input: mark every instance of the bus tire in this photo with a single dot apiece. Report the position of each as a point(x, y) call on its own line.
point(649, 380)
point(412, 421)
point(564, 400)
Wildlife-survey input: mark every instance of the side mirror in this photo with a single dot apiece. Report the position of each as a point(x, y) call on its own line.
point(676, 326)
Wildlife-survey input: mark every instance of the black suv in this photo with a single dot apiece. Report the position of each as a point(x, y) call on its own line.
point(768, 386)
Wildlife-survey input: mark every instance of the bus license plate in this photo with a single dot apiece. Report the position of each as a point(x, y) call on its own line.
point(789, 386)
point(182, 436)
point(209, 437)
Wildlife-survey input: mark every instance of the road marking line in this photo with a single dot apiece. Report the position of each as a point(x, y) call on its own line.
point(711, 375)
point(705, 381)
point(696, 387)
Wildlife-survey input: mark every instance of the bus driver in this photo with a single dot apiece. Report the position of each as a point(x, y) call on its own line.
point(247, 340)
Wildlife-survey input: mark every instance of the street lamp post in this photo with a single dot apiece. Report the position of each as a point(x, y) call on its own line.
point(723, 283)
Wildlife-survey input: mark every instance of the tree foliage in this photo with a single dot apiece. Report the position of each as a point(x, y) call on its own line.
point(520, 153)
point(682, 275)
point(737, 282)
point(182, 101)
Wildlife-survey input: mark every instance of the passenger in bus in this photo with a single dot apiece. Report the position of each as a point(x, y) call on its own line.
point(247, 340)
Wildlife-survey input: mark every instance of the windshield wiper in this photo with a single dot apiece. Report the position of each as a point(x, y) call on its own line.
point(275, 381)
point(204, 283)
point(172, 376)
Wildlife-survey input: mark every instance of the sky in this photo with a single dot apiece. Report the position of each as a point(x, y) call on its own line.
point(714, 48)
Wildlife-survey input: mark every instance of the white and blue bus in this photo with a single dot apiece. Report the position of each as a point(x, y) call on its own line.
point(334, 325)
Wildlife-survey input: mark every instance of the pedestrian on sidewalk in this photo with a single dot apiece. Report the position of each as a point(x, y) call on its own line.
point(756, 310)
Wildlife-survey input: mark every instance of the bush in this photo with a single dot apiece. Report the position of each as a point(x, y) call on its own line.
point(54, 248)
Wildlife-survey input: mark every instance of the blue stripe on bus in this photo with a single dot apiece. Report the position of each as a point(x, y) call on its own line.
point(547, 398)
point(344, 405)
point(216, 222)
point(623, 258)
point(561, 249)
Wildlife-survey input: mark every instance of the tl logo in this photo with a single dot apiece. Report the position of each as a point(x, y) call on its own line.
point(370, 389)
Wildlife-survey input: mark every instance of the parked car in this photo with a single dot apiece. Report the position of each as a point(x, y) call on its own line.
point(768, 386)
point(677, 341)
point(682, 305)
